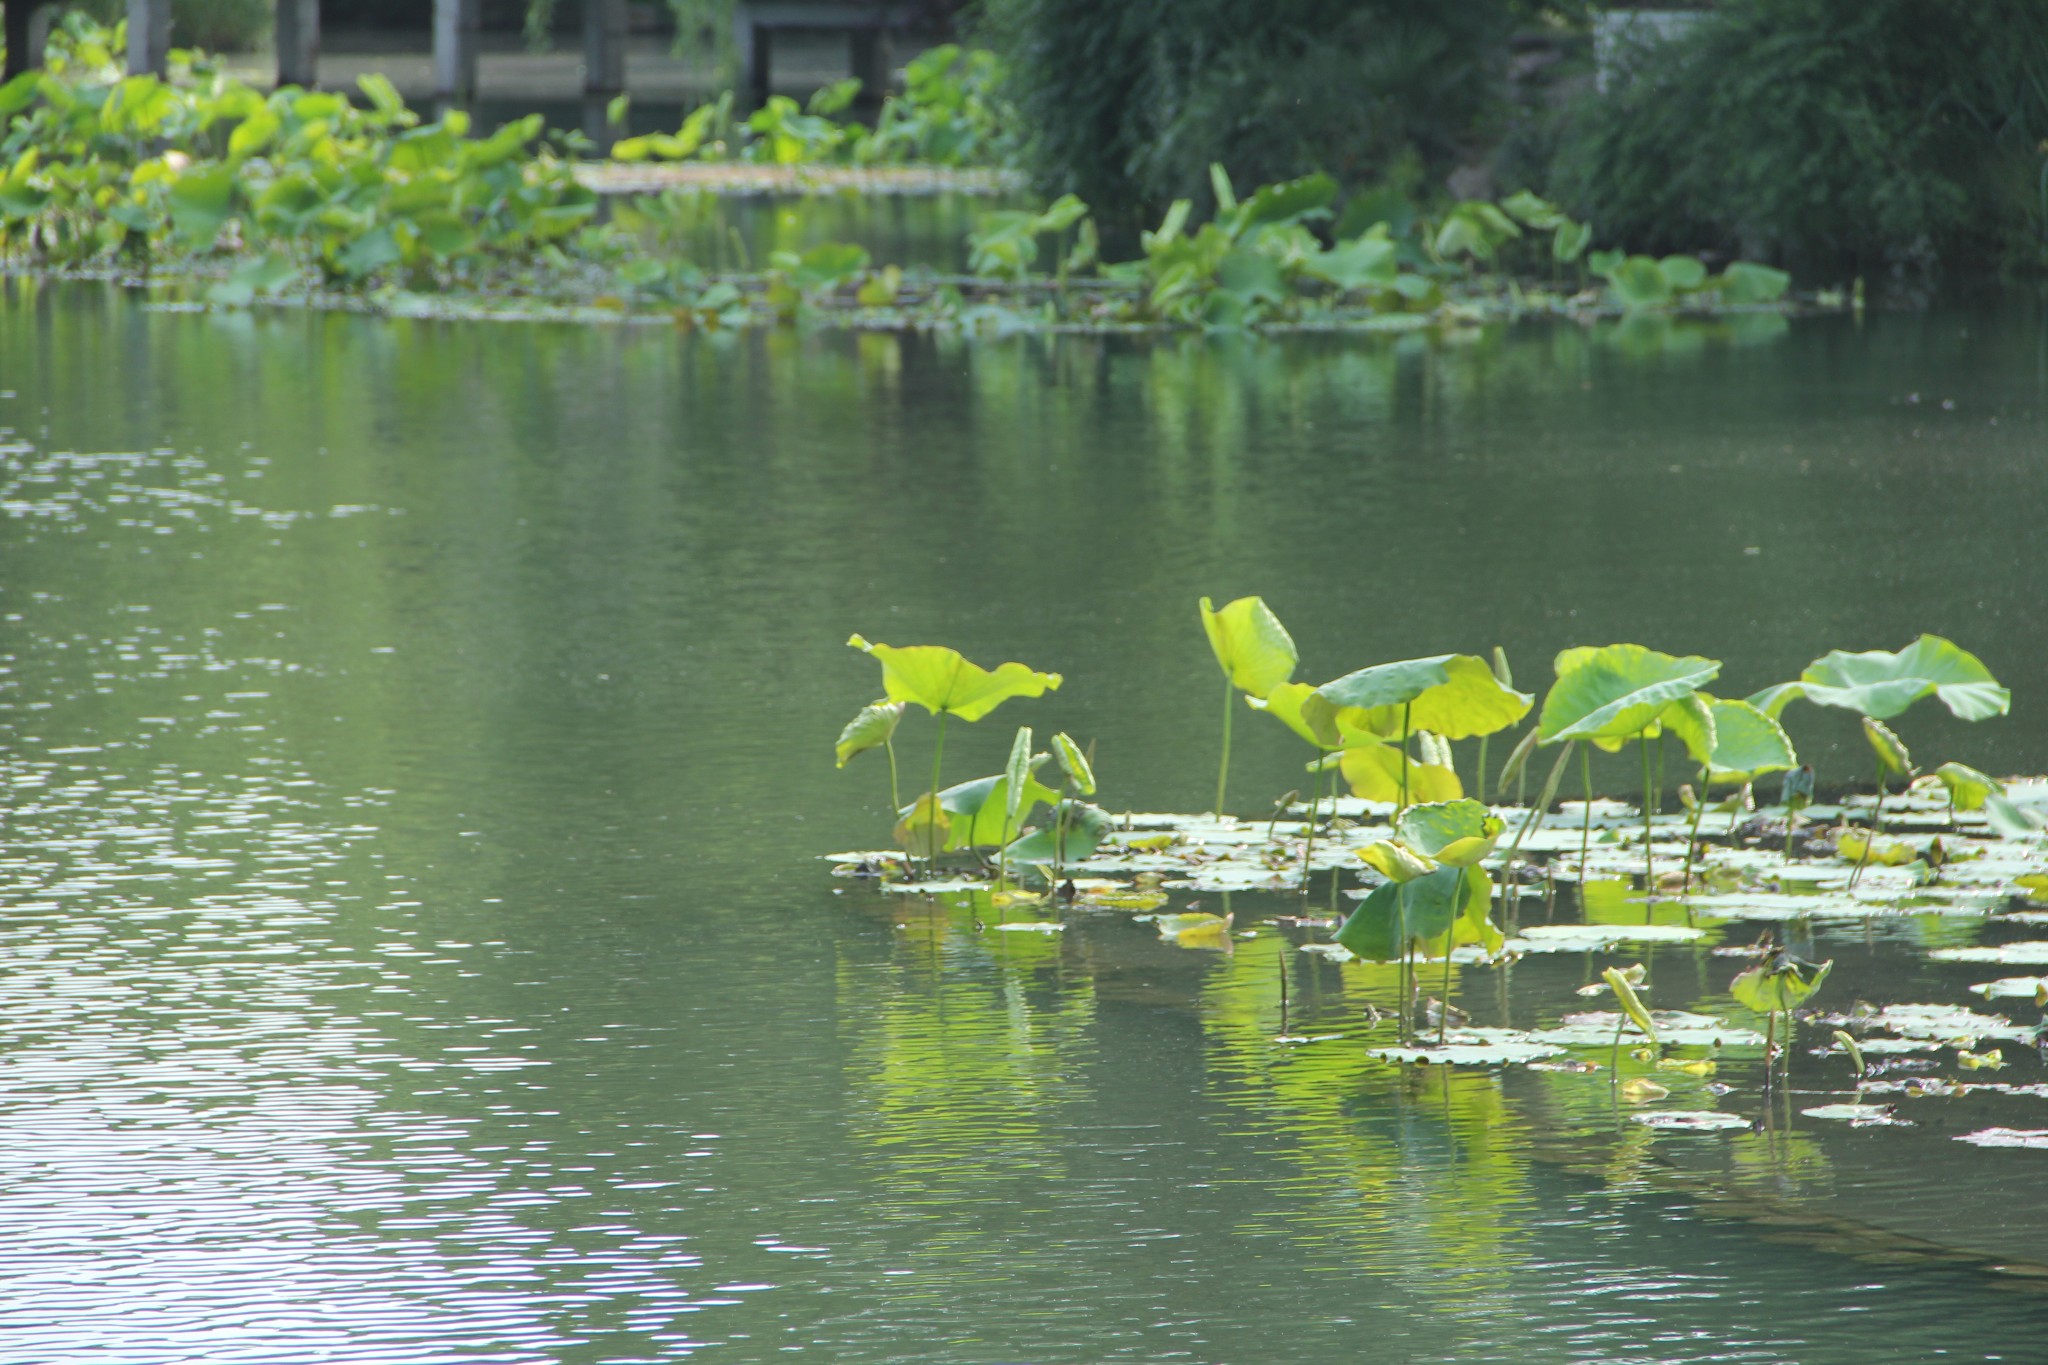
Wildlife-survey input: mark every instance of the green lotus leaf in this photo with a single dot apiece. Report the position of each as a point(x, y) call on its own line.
point(871, 729)
point(1086, 828)
point(1395, 914)
point(943, 682)
point(1017, 771)
point(1454, 833)
point(1691, 718)
point(1617, 691)
point(2011, 820)
point(1782, 985)
point(1396, 861)
point(1253, 648)
point(1891, 750)
point(1074, 764)
point(1743, 744)
point(923, 830)
point(1967, 787)
point(1454, 695)
point(1374, 772)
point(979, 812)
point(1881, 685)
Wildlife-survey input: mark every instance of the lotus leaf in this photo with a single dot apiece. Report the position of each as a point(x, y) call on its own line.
point(1017, 770)
point(923, 831)
point(1890, 749)
point(1253, 648)
point(1882, 685)
point(1453, 695)
point(1396, 914)
point(1454, 833)
point(1746, 282)
point(980, 811)
point(1086, 827)
point(1778, 985)
point(1690, 1120)
point(871, 729)
point(944, 683)
point(1617, 691)
point(1374, 773)
point(1967, 788)
point(1395, 861)
point(1074, 764)
point(1631, 1004)
point(1744, 743)
point(1857, 847)
point(1284, 704)
point(1773, 700)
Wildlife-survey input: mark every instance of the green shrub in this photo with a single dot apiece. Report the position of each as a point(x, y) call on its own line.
point(1127, 104)
point(1829, 135)
point(213, 25)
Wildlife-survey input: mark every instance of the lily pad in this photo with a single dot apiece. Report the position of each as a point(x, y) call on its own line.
point(1679, 1028)
point(2007, 1137)
point(1032, 926)
point(1944, 1022)
point(1689, 1120)
point(2028, 952)
point(1860, 1115)
point(1594, 938)
point(2012, 987)
point(1474, 1047)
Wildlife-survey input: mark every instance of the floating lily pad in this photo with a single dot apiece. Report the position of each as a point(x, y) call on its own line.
point(2007, 1137)
point(1475, 1047)
point(1944, 1022)
point(2011, 987)
point(1336, 952)
point(1690, 1120)
point(2026, 953)
point(1032, 926)
point(1676, 1027)
point(1860, 1115)
point(1593, 938)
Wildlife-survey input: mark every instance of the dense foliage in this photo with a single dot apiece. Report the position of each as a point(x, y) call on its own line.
point(1840, 135)
point(1127, 104)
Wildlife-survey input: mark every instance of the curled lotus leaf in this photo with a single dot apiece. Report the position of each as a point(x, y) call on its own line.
point(942, 681)
point(871, 729)
point(924, 829)
point(1456, 696)
point(1773, 700)
point(1691, 718)
point(1617, 691)
point(1254, 650)
point(1454, 833)
point(1778, 985)
point(1074, 764)
point(1624, 990)
point(1283, 704)
point(1395, 861)
point(1967, 787)
point(979, 812)
point(1883, 684)
point(1744, 742)
point(1374, 772)
point(1890, 749)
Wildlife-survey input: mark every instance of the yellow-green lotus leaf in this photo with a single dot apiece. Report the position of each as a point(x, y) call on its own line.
point(1890, 749)
point(1454, 833)
point(1453, 695)
point(1967, 787)
point(1783, 985)
point(922, 833)
point(1742, 743)
point(943, 682)
point(1253, 648)
point(1284, 704)
point(1395, 861)
point(1374, 772)
point(1624, 990)
point(871, 729)
point(1074, 764)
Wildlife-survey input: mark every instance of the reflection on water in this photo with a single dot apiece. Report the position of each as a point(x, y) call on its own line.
point(416, 743)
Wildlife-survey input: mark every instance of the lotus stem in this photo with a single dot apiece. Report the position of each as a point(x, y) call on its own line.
point(1406, 707)
point(1529, 819)
point(938, 752)
point(1658, 790)
point(1480, 794)
point(1223, 769)
point(1443, 1018)
point(1586, 828)
point(1699, 807)
point(1308, 845)
point(895, 800)
point(1649, 860)
point(1876, 827)
point(1281, 963)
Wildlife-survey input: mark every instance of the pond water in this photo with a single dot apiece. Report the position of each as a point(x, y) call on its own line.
point(418, 740)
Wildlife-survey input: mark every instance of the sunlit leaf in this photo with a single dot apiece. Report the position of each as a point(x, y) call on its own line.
point(1253, 648)
point(1396, 861)
point(870, 729)
point(923, 832)
point(1396, 913)
point(1374, 773)
point(1086, 827)
point(1967, 787)
point(1454, 833)
point(1779, 985)
point(1617, 691)
point(1882, 685)
point(940, 680)
point(1624, 990)
point(1074, 764)
point(1890, 749)
point(1453, 695)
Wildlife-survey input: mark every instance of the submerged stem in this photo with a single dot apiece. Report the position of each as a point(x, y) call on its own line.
point(1223, 769)
point(1876, 828)
point(1699, 808)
